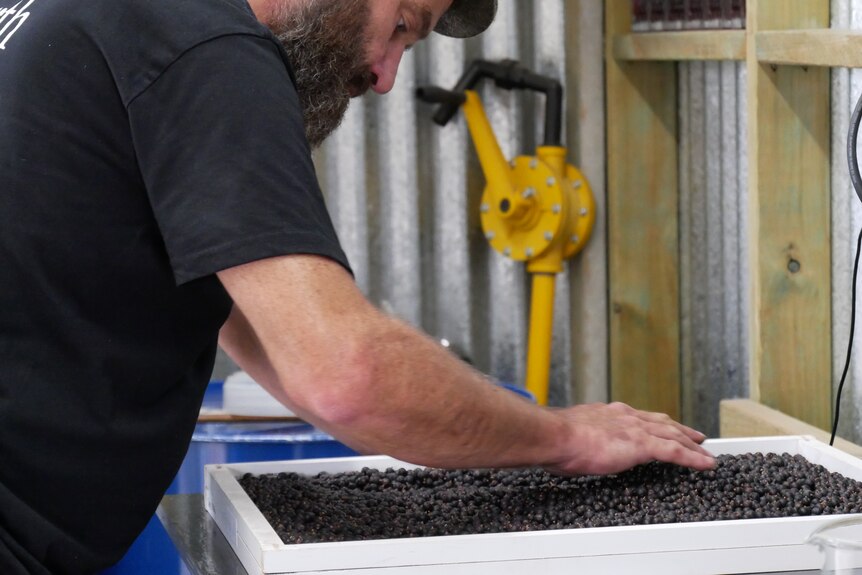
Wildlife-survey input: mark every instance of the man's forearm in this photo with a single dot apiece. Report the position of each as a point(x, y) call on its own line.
point(420, 403)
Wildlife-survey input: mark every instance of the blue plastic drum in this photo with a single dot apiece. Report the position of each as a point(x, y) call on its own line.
point(212, 443)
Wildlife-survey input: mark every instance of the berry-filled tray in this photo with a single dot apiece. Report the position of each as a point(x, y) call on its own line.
point(687, 547)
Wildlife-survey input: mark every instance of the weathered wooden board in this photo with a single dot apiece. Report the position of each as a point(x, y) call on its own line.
point(789, 145)
point(643, 243)
point(830, 48)
point(746, 418)
point(712, 45)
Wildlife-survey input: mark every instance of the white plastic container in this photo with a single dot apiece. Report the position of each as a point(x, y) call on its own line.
point(744, 546)
point(242, 395)
point(841, 544)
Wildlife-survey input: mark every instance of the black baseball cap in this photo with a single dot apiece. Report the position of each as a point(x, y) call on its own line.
point(466, 18)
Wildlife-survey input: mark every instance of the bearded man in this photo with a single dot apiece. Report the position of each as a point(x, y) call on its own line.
point(159, 195)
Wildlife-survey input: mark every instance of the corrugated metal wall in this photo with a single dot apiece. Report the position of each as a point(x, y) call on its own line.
point(404, 195)
point(713, 206)
point(846, 221)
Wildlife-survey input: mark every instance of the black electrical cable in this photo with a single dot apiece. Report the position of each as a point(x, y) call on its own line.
point(856, 180)
point(849, 343)
point(852, 159)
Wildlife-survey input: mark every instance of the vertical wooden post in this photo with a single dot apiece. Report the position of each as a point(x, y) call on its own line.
point(643, 253)
point(789, 142)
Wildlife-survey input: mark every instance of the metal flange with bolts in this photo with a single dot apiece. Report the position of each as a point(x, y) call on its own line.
point(535, 209)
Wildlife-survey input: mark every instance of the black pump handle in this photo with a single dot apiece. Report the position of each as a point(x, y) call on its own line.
point(509, 75)
point(435, 95)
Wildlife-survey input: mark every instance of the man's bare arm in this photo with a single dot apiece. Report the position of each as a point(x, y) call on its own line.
point(303, 330)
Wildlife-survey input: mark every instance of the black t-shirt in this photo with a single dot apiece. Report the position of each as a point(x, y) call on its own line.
point(144, 145)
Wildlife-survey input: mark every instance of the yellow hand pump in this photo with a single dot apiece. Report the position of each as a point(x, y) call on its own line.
point(536, 209)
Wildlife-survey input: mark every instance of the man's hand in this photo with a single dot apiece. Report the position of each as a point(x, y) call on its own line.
point(610, 438)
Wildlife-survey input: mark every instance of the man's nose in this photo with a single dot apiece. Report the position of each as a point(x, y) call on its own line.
point(386, 69)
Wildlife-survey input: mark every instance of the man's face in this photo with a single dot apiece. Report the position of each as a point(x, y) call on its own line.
point(340, 49)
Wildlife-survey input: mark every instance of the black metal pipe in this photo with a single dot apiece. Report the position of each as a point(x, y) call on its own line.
point(510, 75)
point(436, 95)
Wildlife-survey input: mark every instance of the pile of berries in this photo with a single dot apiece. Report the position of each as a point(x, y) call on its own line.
point(395, 503)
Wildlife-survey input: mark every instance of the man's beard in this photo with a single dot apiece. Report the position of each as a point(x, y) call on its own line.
point(326, 43)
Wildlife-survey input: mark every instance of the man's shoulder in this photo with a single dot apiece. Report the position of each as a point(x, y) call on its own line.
point(168, 20)
point(139, 39)
point(152, 29)
point(124, 16)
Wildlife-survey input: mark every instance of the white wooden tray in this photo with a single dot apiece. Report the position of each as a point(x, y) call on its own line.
point(742, 546)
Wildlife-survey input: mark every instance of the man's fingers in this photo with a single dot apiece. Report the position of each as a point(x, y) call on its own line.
point(676, 433)
point(662, 418)
point(621, 436)
point(671, 451)
point(662, 425)
point(672, 444)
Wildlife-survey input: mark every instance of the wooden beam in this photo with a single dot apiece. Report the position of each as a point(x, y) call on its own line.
point(714, 45)
point(789, 217)
point(830, 48)
point(814, 47)
point(643, 251)
point(746, 418)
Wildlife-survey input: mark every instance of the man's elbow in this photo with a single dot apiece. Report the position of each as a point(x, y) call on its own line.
point(342, 391)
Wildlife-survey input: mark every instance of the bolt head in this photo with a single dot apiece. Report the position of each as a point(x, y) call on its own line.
point(529, 252)
point(534, 163)
point(584, 211)
point(507, 251)
point(551, 182)
point(549, 236)
point(556, 208)
point(577, 184)
point(489, 235)
point(484, 208)
point(528, 193)
point(575, 239)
